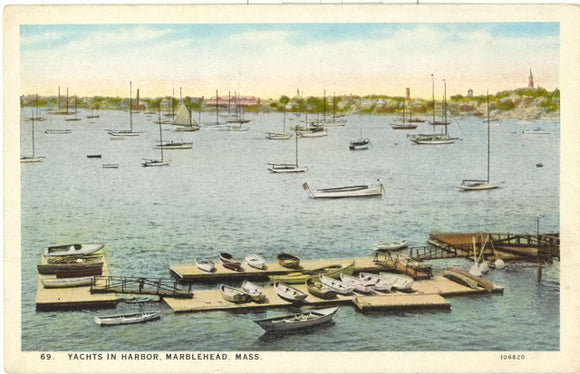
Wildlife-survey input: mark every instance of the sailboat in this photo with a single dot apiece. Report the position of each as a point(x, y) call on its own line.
point(173, 144)
point(36, 115)
point(32, 158)
point(75, 118)
point(129, 132)
point(481, 184)
point(183, 119)
point(95, 113)
point(405, 125)
point(160, 162)
point(280, 135)
point(436, 139)
point(335, 121)
point(288, 168)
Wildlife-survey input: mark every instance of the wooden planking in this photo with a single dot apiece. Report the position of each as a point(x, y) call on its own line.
point(398, 301)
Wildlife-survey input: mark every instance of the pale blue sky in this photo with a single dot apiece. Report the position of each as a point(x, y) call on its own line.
point(269, 60)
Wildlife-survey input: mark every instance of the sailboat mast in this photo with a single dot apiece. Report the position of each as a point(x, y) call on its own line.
point(324, 106)
point(33, 154)
point(433, 94)
point(488, 135)
point(217, 117)
point(131, 105)
point(296, 136)
point(67, 100)
point(161, 140)
point(445, 105)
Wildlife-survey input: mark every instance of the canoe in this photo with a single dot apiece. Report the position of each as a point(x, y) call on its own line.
point(289, 293)
point(332, 271)
point(67, 282)
point(124, 319)
point(233, 295)
point(253, 291)
point(256, 261)
point(376, 282)
point(289, 261)
point(302, 320)
point(229, 263)
point(72, 249)
point(461, 279)
point(316, 288)
point(205, 264)
point(357, 283)
point(336, 285)
point(400, 282)
point(465, 275)
point(391, 246)
point(47, 269)
point(75, 273)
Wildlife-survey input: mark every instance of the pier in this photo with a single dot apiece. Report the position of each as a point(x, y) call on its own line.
point(139, 286)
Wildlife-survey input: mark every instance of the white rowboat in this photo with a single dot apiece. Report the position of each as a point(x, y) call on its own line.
point(125, 319)
point(72, 249)
point(298, 321)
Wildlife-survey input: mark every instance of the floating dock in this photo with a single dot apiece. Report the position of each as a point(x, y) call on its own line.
point(71, 298)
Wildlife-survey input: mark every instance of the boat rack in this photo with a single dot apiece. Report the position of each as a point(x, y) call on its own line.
point(137, 285)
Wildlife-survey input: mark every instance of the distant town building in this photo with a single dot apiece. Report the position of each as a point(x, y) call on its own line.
point(531, 80)
point(470, 93)
point(226, 101)
point(408, 94)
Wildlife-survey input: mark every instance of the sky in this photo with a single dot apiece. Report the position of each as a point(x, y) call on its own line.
point(270, 60)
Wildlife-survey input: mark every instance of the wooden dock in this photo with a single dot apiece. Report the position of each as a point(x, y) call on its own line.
point(429, 294)
point(71, 298)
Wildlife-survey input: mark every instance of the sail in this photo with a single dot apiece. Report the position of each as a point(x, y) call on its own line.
point(183, 116)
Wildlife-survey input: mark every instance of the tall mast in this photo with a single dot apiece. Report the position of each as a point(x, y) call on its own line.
point(445, 105)
point(131, 105)
point(161, 140)
point(217, 117)
point(324, 106)
point(33, 154)
point(488, 132)
point(433, 94)
point(67, 100)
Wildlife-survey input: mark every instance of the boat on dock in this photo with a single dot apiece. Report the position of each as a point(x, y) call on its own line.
point(336, 285)
point(125, 319)
point(302, 320)
point(361, 190)
point(229, 262)
point(288, 261)
point(234, 295)
point(60, 268)
point(400, 282)
point(376, 282)
point(467, 279)
point(72, 249)
point(357, 283)
point(332, 271)
point(205, 264)
point(256, 262)
point(288, 293)
point(253, 291)
point(67, 282)
point(316, 288)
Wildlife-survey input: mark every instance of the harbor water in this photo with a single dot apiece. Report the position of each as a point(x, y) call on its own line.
point(219, 197)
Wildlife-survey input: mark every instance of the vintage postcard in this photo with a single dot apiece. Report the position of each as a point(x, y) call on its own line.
point(290, 188)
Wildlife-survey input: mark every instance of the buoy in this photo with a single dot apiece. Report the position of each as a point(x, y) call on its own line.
point(499, 264)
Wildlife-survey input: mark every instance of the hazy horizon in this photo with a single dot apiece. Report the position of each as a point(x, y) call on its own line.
point(271, 60)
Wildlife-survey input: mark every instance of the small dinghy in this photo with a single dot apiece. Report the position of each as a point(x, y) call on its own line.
point(289, 293)
point(289, 261)
point(125, 319)
point(72, 249)
point(256, 262)
point(376, 282)
point(357, 283)
point(392, 246)
point(253, 291)
point(205, 264)
point(67, 282)
point(336, 285)
point(316, 288)
point(400, 282)
point(233, 295)
point(302, 320)
point(229, 263)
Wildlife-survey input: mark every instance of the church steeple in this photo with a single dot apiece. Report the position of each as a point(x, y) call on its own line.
point(531, 80)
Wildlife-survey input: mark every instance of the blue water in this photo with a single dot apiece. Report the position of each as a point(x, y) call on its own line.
point(219, 196)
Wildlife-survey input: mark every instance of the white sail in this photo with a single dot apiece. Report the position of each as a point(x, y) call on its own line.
point(183, 117)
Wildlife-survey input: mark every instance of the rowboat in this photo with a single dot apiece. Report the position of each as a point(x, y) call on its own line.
point(233, 295)
point(256, 261)
point(336, 285)
point(316, 288)
point(76, 273)
point(357, 283)
point(229, 263)
point(359, 144)
point(400, 282)
point(458, 274)
point(289, 293)
point(45, 269)
point(361, 190)
point(298, 321)
point(289, 261)
point(391, 246)
point(67, 282)
point(125, 319)
point(205, 264)
point(332, 271)
point(376, 282)
point(72, 249)
point(253, 291)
